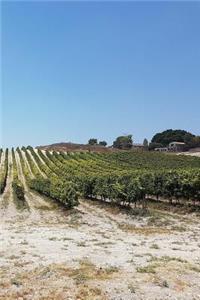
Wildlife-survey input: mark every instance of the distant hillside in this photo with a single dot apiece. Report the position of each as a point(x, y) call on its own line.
point(75, 147)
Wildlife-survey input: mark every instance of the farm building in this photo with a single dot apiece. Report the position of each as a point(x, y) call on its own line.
point(176, 146)
point(162, 149)
point(138, 146)
point(173, 147)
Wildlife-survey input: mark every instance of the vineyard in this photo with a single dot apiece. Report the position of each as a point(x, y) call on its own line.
point(99, 226)
point(123, 178)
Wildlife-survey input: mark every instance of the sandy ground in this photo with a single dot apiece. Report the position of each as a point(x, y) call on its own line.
point(95, 251)
point(191, 153)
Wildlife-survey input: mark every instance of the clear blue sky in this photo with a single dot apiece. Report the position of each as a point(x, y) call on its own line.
point(71, 71)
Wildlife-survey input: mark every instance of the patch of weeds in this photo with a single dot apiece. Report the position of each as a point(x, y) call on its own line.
point(35, 255)
point(13, 257)
point(88, 271)
point(154, 246)
point(177, 243)
point(104, 244)
point(81, 244)
point(131, 287)
point(147, 269)
point(134, 244)
point(94, 240)
point(67, 239)
point(80, 277)
point(148, 254)
point(53, 238)
point(87, 293)
point(131, 261)
point(45, 272)
point(176, 249)
point(24, 243)
point(157, 220)
point(111, 269)
point(167, 258)
point(165, 284)
point(138, 255)
point(143, 230)
point(178, 228)
point(139, 212)
point(75, 221)
point(65, 247)
point(16, 282)
point(157, 262)
point(195, 269)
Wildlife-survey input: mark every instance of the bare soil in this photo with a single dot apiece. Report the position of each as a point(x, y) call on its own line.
point(95, 251)
point(72, 147)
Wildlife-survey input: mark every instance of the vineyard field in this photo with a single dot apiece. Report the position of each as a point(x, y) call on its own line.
point(87, 225)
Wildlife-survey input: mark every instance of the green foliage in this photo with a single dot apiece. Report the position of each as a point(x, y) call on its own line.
point(152, 146)
point(145, 143)
point(103, 143)
point(127, 177)
point(123, 142)
point(53, 186)
point(170, 135)
point(92, 142)
point(4, 172)
point(123, 177)
point(1, 152)
point(17, 186)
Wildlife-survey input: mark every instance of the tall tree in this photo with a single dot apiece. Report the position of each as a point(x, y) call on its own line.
point(171, 135)
point(123, 142)
point(103, 143)
point(92, 141)
point(145, 143)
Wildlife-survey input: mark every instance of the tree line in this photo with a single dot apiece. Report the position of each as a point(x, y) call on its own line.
point(161, 139)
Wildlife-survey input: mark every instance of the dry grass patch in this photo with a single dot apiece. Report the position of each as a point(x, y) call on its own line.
point(105, 244)
point(90, 293)
point(143, 230)
point(88, 271)
point(167, 272)
point(169, 263)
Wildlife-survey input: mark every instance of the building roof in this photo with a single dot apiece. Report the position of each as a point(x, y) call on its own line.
point(177, 143)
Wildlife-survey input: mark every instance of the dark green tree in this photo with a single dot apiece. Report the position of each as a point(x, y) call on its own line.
point(92, 142)
point(123, 142)
point(103, 143)
point(145, 143)
point(152, 146)
point(170, 135)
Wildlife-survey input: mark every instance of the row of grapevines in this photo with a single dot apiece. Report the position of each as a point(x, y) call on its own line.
point(1, 152)
point(131, 185)
point(16, 183)
point(53, 186)
point(4, 173)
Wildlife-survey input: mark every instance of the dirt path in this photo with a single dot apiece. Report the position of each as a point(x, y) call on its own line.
point(7, 203)
point(26, 161)
point(35, 202)
point(40, 171)
point(97, 252)
point(2, 159)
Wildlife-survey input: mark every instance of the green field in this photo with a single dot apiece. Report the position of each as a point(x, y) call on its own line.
point(123, 178)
